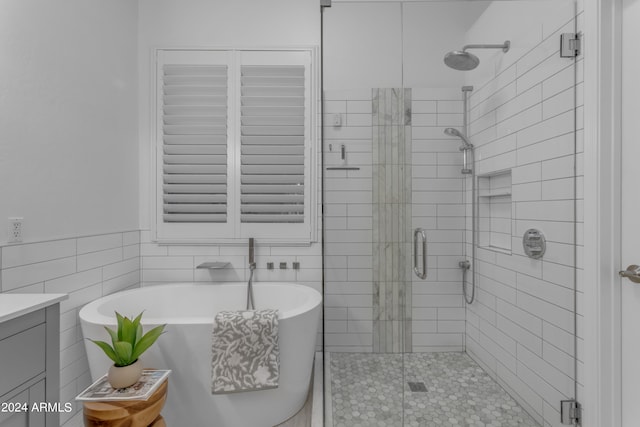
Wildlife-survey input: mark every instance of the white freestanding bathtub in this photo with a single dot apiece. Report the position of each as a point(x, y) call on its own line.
point(188, 310)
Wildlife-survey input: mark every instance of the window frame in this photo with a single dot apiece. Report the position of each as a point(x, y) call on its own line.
point(234, 232)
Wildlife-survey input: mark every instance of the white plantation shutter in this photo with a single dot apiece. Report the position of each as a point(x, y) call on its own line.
point(275, 134)
point(272, 144)
point(195, 143)
point(194, 130)
point(234, 142)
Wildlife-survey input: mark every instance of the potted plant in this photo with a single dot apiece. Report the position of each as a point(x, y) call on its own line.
point(128, 344)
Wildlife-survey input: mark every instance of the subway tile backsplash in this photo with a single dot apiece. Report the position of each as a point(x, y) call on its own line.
point(86, 268)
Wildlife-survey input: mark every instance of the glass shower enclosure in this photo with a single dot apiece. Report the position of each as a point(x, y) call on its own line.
point(437, 183)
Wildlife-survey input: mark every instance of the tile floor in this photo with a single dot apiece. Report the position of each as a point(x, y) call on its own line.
point(372, 390)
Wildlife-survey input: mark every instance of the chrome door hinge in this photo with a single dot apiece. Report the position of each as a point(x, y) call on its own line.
point(570, 412)
point(570, 45)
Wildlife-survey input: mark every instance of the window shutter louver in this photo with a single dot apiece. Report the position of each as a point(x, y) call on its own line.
point(194, 132)
point(272, 135)
point(233, 135)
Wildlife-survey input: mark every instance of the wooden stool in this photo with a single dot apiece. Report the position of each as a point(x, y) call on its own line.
point(127, 413)
point(158, 422)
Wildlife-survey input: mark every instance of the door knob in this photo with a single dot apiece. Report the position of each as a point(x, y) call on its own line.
point(632, 273)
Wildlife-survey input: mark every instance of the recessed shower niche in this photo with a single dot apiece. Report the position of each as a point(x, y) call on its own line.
point(495, 211)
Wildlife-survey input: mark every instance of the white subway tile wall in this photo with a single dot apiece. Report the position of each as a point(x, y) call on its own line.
point(177, 263)
point(86, 268)
point(348, 198)
point(435, 305)
point(438, 207)
point(520, 328)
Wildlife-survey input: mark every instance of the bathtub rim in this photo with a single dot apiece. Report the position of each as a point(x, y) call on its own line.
point(89, 312)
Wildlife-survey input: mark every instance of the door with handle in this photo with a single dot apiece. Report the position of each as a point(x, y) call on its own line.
point(630, 206)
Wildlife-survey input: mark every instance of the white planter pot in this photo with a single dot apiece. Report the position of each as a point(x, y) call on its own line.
point(124, 376)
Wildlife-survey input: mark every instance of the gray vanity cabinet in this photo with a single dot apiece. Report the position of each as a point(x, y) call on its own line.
point(29, 369)
point(33, 394)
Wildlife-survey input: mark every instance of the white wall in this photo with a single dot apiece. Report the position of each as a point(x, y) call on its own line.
point(69, 158)
point(394, 44)
point(430, 30)
point(68, 114)
point(362, 46)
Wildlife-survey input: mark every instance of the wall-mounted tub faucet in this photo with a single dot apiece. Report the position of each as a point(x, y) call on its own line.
point(252, 261)
point(213, 265)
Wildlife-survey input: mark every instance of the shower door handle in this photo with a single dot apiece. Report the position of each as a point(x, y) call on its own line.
point(420, 232)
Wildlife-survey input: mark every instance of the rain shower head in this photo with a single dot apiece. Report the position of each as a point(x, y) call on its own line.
point(465, 61)
point(455, 132)
point(460, 60)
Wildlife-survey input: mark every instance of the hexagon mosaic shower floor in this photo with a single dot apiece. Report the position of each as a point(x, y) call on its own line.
point(368, 390)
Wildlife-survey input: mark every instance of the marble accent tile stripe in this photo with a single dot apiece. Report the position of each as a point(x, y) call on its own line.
point(391, 234)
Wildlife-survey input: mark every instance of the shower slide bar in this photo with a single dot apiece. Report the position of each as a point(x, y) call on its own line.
point(420, 232)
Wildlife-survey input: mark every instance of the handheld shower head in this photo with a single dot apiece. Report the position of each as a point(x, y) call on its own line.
point(455, 132)
point(466, 147)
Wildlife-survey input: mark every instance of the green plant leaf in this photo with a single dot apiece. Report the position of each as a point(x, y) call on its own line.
point(138, 329)
point(123, 351)
point(128, 341)
point(147, 340)
point(136, 321)
point(111, 354)
point(128, 331)
point(120, 321)
point(138, 336)
point(114, 334)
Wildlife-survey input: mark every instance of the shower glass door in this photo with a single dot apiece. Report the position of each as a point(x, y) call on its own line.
point(402, 350)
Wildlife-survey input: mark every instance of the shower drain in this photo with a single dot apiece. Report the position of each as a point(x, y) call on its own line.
point(417, 387)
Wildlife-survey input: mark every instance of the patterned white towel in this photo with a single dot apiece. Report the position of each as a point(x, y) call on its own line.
point(245, 351)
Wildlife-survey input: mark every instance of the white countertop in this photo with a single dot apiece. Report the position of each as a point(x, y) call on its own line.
point(15, 305)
